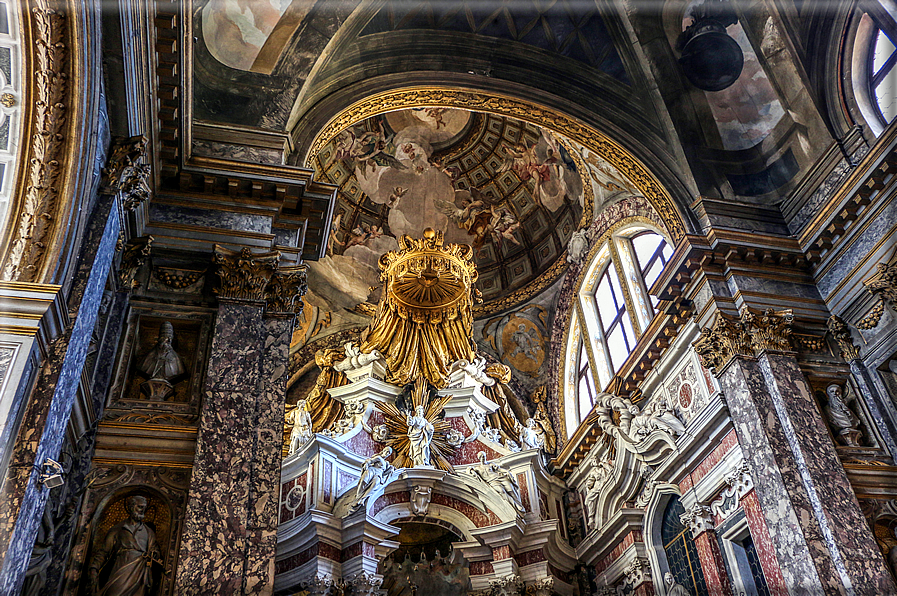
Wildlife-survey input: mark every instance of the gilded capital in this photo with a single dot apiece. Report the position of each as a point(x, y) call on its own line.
point(723, 340)
point(884, 283)
point(244, 274)
point(123, 174)
point(841, 334)
point(133, 256)
point(284, 292)
point(770, 330)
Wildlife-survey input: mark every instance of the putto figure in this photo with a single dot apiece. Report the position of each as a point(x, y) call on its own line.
point(162, 366)
point(128, 552)
point(420, 435)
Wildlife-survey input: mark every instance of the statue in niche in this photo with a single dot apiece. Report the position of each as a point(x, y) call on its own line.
point(375, 472)
point(302, 432)
point(162, 366)
point(674, 588)
point(128, 551)
point(844, 422)
point(499, 479)
point(420, 435)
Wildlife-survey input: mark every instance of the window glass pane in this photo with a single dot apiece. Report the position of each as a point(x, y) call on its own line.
point(586, 395)
point(653, 273)
point(619, 301)
point(630, 334)
point(607, 309)
point(679, 547)
point(645, 245)
point(667, 252)
point(883, 50)
point(616, 345)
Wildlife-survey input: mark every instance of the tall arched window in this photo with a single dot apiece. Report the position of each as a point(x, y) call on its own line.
point(874, 67)
point(682, 555)
point(612, 311)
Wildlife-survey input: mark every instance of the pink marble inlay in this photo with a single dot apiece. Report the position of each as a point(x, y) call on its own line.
point(763, 544)
point(628, 540)
point(524, 491)
point(328, 479)
point(712, 564)
point(728, 442)
point(500, 553)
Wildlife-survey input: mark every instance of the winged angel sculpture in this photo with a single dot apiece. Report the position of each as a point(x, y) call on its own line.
point(419, 437)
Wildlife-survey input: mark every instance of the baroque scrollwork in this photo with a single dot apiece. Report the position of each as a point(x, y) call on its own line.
point(841, 334)
point(134, 255)
point(244, 274)
point(647, 434)
point(884, 283)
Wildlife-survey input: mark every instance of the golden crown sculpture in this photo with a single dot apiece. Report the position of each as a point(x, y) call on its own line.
point(424, 321)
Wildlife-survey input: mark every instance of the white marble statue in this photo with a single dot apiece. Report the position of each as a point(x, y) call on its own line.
point(593, 491)
point(476, 370)
point(844, 422)
point(375, 473)
point(420, 435)
point(674, 588)
point(355, 358)
point(655, 416)
point(499, 479)
point(578, 247)
point(531, 435)
point(302, 426)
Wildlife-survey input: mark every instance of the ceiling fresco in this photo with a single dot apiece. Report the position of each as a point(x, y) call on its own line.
point(511, 190)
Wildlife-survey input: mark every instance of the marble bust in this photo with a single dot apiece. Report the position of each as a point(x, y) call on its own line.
point(161, 366)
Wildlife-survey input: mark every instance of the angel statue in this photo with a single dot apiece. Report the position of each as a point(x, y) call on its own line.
point(375, 472)
point(499, 479)
point(302, 426)
point(420, 435)
point(531, 436)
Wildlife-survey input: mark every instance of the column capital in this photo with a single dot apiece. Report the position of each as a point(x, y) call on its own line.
point(244, 274)
point(748, 335)
point(541, 587)
point(124, 175)
point(699, 519)
point(841, 334)
point(284, 292)
point(884, 283)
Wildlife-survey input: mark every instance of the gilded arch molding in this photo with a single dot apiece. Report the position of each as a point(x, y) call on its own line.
point(587, 136)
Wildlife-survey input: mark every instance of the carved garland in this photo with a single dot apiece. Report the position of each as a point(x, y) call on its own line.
point(36, 219)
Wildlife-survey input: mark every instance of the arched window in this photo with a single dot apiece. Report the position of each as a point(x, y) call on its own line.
point(681, 553)
point(612, 311)
point(874, 67)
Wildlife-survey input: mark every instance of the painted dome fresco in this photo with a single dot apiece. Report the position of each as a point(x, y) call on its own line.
point(512, 190)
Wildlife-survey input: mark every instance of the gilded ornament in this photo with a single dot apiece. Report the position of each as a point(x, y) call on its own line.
point(45, 156)
point(870, 321)
point(244, 275)
point(285, 290)
point(884, 283)
point(424, 320)
point(124, 175)
point(8, 100)
point(725, 339)
point(841, 334)
point(177, 279)
point(402, 428)
point(133, 257)
point(770, 330)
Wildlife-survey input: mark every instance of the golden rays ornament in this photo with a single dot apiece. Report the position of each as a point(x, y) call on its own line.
point(400, 433)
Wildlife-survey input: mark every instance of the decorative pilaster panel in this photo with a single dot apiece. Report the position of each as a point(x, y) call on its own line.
point(712, 564)
point(762, 542)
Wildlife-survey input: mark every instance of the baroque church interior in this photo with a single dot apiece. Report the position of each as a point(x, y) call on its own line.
point(448, 297)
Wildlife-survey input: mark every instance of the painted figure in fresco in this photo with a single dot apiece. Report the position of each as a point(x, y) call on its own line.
point(844, 422)
point(420, 435)
point(499, 479)
point(372, 148)
point(674, 588)
point(302, 426)
point(375, 472)
point(526, 342)
point(129, 550)
point(161, 365)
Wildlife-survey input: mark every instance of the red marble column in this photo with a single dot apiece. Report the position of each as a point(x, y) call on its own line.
point(712, 564)
point(765, 550)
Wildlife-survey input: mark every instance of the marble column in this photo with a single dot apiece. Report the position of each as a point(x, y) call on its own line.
point(229, 536)
point(46, 415)
point(820, 536)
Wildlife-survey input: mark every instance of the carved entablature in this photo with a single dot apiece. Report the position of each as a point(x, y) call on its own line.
point(285, 290)
point(244, 275)
point(749, 335)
